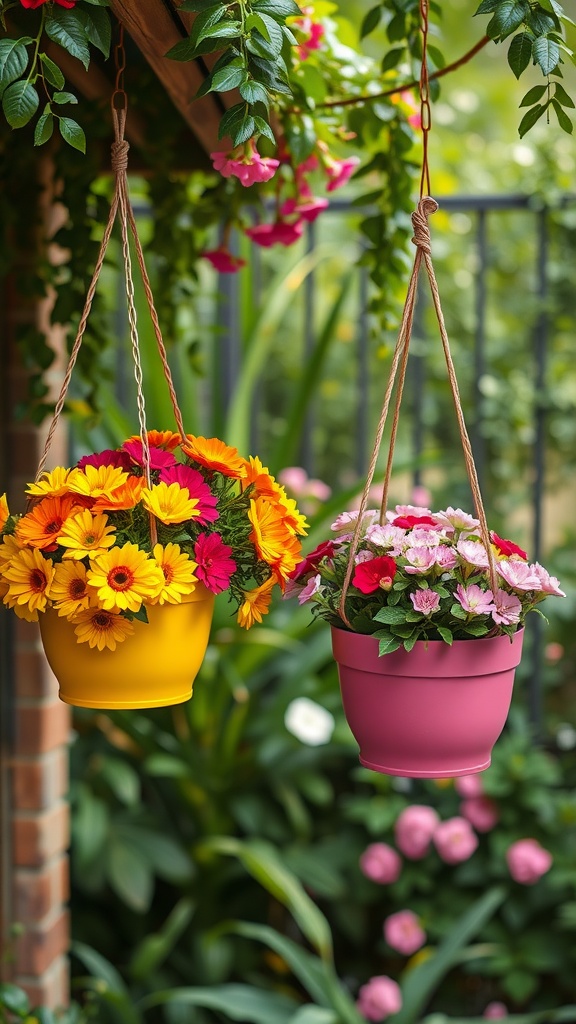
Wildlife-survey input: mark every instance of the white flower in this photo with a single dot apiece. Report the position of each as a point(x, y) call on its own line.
point(309, 722)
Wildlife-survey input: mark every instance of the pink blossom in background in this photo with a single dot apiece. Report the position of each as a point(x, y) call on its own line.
point(421, 495)
point(379, 998)
point(413, 830)
point(295, 478)
point(425, 601)
point(474, 600)
point(223, 260)
point(403, 932)
point(495, 1011)
point(318, 489)
point(469, 785)
point(309, 208)
point(340, 171)
point(507, 608)
point(281, 232)
point(381, 863)
point(313, 31)
point(553, 652)
point(518, 575)
point(245, 163)
point(527, 861)
point(548, 584)
point(481, 812)
point(454, 840)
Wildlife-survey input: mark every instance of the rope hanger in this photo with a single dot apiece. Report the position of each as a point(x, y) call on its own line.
point(421, 239)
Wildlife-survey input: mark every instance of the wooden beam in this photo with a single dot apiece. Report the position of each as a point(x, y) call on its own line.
point(155, 27)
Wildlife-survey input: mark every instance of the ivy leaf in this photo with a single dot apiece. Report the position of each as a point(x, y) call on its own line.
point(270, 75)
point(221, 30)
point(44, 127)
point(562, 96)
point(13, 61)
point(254, 92)
point(371, 21)
point(277, 9)
point(563, 119)
point(66, 27)
point(229, 77)
point(393, 58)
point(487, 7)
point(530, 118)
point(533, 95)
point(264, 128)
point(508, 15)
point(446, 634)
point(545, 53)
point(64, 97)
point(211, 16)
point(182, 50)
point(540, 23)
point(20, 103)
point(238, 123)
point(99, 29)
point(260, 46)
point(72, 133)
point(520, 52)
point(52, 72)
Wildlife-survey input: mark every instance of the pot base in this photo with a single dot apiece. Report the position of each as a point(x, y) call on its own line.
point(411, 773)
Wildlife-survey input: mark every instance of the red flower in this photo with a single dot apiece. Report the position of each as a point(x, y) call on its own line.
point(159, 459)
point(375, 574)
point(33, 4)
point(280, 231)
point(215, 566)
point(309, 564)
point(507, 547)
point(407, 522)
point(224, 261)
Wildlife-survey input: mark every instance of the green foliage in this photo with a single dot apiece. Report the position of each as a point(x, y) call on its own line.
point(15, 1006)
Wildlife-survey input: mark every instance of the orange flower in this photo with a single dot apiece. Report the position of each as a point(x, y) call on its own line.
point(126, 496)
point(293, 517)
point(30, 576)
point(269, 532)
point(41, 527)
point(214, 454)
point(256, 604)
point(291, 556)
point(4, 512)
point(257, 474)
point(165, 439)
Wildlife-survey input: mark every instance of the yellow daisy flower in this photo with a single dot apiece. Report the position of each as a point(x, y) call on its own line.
point(178, 571)
point(69, 591)
point(95, 481)
point(4, 512)
point(99, 628)
point(52, 484)
point(30, 576)
point(86, 534)
point(124, 578)
point(269, 532)
point(9, 547)
point(170, 503)
point(293, 517)
point(256, 604)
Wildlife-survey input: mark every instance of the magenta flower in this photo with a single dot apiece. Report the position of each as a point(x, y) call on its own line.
point(377, 573)
point(547, 584)
point(414, 828)
point(378, 998)
point(340, 171)
point(197, 488)
point(381, 864)
point(454, 840)
point(110, 457)
point(314, 586)
point(507, 608)
point(308, 207)
point(244, 163)
point(495, 1011)
point(281, 232)
point(223, 260)
point(421, 559)
point(527, 861)
point(215, 566)
point(481, 812)
point(314, 35)
point(310, 563)
point(518, 575)
point(425, 601)
point(474, 600)
point(159, 459)
point(403, 932)
point(469, 785)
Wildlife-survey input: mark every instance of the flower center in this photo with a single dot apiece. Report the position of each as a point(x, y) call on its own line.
point(37, 581)
point(102, 620)
point(89, 539)
point(168, 573)
point(54, 527)
point(77, 589)
point(120, 578)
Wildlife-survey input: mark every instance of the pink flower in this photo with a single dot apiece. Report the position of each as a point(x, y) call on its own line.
point(507, 608)
point(345, 523)
point(380, 863)
point(340, 171)
point(378, 998)
point(280, 232)
point(518, 575)
point(375, 574)
point(418, 511)
point(507, 547)
point(456, 519)
point(469, 785)
point(425, 601)
point(455, 840)
point(314, 586)
point(33, 4)
point(446, 557)
point(314, 35)
point(473, 552)
point(481, 812)
point(197, 488)
point(386, 537)
point(414, 828)
point(318, 489)
point(403, 932)
point(295, 478)
point(159, 459)
point(244, 163)
point(528, 861)
point(548, 584)
point(495, 1011)
point(110, 457)
point(474, 600)
point(421, 559)
point(308, 208)
point(223, 260)
point(215, 566)
point(423, 537)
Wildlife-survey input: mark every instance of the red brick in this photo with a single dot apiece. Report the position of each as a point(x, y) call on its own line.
point(38, 894)
point(39, 782)
point(52, 988)
point(34, 677)
point(38, 948)
point(41, 726)
point(39, 836)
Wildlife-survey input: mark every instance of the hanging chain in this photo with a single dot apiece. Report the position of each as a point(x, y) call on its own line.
point(425, 111)
point(120, 66)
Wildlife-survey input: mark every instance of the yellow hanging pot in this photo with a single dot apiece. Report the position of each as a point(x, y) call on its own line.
point(153, 667)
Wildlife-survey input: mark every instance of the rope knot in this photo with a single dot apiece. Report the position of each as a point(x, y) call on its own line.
point(119, 157)
point(421, 239)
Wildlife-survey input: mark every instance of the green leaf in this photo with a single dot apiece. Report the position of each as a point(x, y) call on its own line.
point(236, 1002)
point(166, 765)
point(264, 128)
point(390, 615)
point(457, 611)
point(520, 52)
point(545, 53)
point(508, 15)
point(210, 16)
point(530, 118)
point(52, 72)
point(196, 5)
point(100, 967)
point(371, 21)
point(20, 103)
point(563, 119)
point(64, 97)
point(562, 96)
point(66, 27)
point(154, 949)
point(310, 1014)
point(15, 999)
point(388, 646)
point(541, 23)
point(73, 134)
point(258, 45)
point(99, 29)
point(238, 124)
point(410, 641)
point(270, 75)
point(229, 77)
point(277, 9)
point(307, 968)
point(272, 33)
point(222, 30)
point(393, 58)
point(130, 875)
point(533, 95)
point(487, 7)
point(477, 628)
point(13, 60)
point(254, 92)
point(183, 50)
point(446, 634)
point(44, 128)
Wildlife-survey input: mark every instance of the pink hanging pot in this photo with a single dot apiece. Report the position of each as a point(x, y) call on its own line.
point(432, 713)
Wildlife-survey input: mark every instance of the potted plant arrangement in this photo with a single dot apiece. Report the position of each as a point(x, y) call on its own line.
point(121, 572)
point(426, 646)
